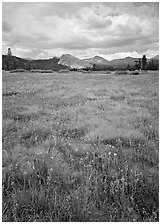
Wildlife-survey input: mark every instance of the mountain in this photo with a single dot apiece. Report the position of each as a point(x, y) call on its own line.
point(97, 63)
point(116, 62)
point(97, 60)
point(9, 63)
point(103, 64)
point(73, 62)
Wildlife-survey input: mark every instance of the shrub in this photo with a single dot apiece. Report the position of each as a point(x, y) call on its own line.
point(18, 70)
point(41, 71)
point(121, 72)
point(136, 72)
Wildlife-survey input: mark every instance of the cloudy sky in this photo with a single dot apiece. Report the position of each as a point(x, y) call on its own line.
point(112, 30)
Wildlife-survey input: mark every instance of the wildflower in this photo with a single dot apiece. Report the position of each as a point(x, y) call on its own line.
point(130, 209)
point(12, 183)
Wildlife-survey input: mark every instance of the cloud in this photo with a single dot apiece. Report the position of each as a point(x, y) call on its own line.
point(98, 23)
point(6, 27)
point(93, 19)
point(105, 28)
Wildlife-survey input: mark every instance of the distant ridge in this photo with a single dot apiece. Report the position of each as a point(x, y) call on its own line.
point(97, 60)
point(101, 60)
point(156, 57)
point(154, 61)
point(124, 61)
point(118, 63)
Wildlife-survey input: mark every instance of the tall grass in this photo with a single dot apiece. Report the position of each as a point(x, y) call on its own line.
point(101, 187)
point(80, 149)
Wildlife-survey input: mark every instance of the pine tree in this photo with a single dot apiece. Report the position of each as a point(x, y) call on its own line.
point(9, 59)
point(139, 63)
point(94, 67)
point(144, 62)
point(128, 67)
point(9, 52)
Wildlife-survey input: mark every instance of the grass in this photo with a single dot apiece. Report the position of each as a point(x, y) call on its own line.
point(80, 147)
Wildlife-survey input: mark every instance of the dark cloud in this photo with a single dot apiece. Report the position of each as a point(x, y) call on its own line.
point(114, 14)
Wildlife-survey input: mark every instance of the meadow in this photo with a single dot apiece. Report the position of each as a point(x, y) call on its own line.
point(80, 147)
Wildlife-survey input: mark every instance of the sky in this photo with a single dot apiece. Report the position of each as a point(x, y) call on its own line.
point(83, 29)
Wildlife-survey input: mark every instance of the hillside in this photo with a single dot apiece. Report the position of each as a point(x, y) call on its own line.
point(153, 63)
point(9, 63)
point(47, 64)
point(73, 62)
point(124, 62)
point(156, 57)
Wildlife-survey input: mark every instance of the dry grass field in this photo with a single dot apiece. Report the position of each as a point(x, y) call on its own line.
point(80, 147)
